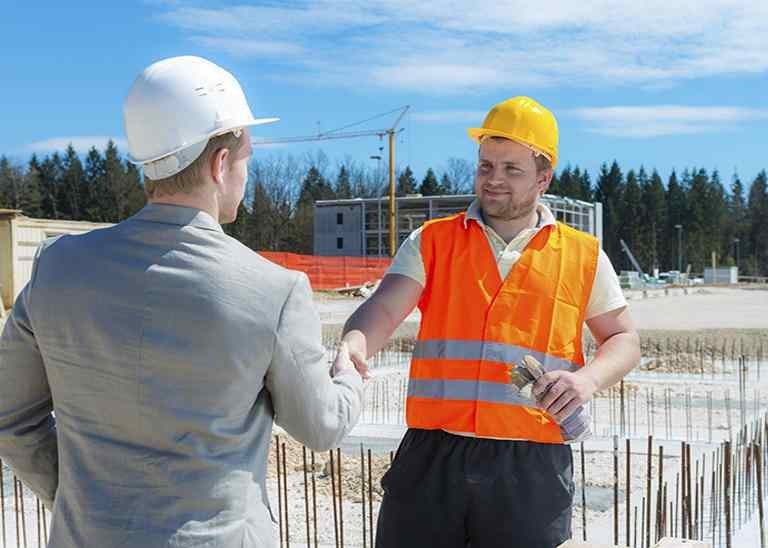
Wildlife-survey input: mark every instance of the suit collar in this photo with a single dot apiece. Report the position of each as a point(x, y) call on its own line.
point(177, 215)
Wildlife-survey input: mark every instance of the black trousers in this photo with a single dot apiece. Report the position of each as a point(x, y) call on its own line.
point(451, 491)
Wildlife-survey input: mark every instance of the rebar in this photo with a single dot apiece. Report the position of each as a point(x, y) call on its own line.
point(333, 498)
point(727, 484)
point(314, 497)
point(285, 501)
point(583, 496)
point(615, 489)
point(362, 490)
point(306, 492)
point(370, 499)
point(279, 490)
point(341, 499)
point(648, 494)
point(2, 503)
point(628, 487)
point(760, 513)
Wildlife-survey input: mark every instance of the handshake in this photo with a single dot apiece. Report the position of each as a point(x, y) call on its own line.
point(351, 356)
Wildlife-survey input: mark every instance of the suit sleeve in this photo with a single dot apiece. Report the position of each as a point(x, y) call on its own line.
point(311, 406)
point(28, 442)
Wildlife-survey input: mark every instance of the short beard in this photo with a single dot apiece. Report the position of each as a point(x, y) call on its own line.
point(510, 212)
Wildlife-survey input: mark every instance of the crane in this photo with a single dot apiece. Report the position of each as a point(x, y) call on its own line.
point(338, 133)
point(632, 259)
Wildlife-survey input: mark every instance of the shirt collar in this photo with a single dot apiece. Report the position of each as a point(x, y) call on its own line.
point(177, 215)
point(474, 213)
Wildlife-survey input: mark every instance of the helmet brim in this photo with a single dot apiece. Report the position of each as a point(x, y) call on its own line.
point(477, 133)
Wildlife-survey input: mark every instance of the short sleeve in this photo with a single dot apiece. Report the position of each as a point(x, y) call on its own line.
point(606, 293)
point(408, 261)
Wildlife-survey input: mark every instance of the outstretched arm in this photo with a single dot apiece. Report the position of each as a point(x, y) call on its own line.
point(373, 323)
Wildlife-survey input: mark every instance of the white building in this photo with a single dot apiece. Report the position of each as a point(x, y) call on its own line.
point(19, 238)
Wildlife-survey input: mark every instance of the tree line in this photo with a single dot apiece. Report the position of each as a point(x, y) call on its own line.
point(680, 219)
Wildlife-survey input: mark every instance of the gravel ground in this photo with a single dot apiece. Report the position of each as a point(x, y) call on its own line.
point(710, 308)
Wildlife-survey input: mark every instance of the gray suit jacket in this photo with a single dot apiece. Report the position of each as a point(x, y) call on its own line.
point(165, 349)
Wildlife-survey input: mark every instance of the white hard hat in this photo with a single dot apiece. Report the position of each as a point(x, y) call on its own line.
point(175, 106)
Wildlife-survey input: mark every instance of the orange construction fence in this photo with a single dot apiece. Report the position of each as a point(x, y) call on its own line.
point(332, 272)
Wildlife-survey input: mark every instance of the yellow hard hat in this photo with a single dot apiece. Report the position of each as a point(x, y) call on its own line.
point(523, 120)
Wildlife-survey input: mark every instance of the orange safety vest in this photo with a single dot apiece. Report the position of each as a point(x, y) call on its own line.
point(476, 327)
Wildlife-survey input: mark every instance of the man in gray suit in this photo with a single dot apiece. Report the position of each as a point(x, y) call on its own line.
point(166, 348)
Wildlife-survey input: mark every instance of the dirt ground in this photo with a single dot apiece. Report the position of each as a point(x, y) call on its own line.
point(708, 312)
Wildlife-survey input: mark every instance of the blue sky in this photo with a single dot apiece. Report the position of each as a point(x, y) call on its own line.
point(659, 83)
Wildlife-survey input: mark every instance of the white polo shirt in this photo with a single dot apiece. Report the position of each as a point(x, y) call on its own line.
point(606, 294)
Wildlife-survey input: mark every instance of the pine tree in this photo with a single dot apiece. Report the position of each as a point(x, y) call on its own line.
point(69, 195)
point(343, 186)
point(554, 186)
point(697, 238)
point(262, 219)
point(737, 225)
point(29, 197)
point(758, 234)
point(632, 211)
point(240, 228)
point(654, 220)
point(446, 185)
point(95, 194)
point(609, 191)
point(9, 185)
point(406, 183)
point(429, 185)
point(717, 214)
point(51, 172)
point(134, 191)
point(677, 210)
point(585, 182)
point(314, 187)
point(566, 182)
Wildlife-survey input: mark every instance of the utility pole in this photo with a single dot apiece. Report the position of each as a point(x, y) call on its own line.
point(390, 132)
point(392, 204)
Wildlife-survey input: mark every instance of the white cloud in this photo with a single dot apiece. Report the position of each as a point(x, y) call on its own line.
point(80, 144)
point(663, 120)
point(459, 46)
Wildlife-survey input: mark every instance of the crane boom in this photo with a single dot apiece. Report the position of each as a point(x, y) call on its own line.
point(322, 137)
point(338, 134)
point(632, 259)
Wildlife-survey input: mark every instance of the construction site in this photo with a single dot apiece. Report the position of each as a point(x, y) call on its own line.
point(678, 449)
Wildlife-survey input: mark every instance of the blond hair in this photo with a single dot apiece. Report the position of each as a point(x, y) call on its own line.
point(191, 177)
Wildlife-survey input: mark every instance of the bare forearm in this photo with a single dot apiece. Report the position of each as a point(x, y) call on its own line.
point(368, 329)
point(615, 358)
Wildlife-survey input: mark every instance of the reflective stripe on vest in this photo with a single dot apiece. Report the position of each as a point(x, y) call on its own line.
point(476, 327)
point(488, 351)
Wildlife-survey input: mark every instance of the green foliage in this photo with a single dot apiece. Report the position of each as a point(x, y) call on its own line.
point(406, 183)
point(278, 212)
point(430, 185)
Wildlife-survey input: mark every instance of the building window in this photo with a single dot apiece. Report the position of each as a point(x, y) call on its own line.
point(339, 243)
point(339, 218)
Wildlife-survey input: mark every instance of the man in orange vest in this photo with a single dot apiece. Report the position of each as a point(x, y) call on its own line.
point(483, 463)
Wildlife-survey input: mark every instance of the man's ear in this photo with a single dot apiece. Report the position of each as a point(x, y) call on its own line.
point(545, 179)
point(218, 164)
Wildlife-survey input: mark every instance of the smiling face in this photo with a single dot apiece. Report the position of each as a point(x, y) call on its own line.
point(508, 183)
